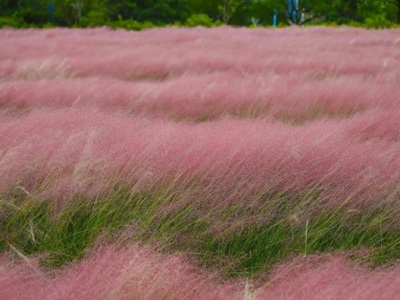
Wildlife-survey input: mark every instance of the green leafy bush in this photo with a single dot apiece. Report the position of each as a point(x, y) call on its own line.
point(378, 22)
point(201, 20)
point(94, 18)
point(11, 22)
point(130, 24)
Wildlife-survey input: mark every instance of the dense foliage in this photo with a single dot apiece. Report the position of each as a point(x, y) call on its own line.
point(139, 14)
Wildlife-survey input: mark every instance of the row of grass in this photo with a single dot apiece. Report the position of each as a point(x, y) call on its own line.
point(238, 248)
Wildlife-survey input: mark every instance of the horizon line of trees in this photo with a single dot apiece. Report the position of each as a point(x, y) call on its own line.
point(138, 14)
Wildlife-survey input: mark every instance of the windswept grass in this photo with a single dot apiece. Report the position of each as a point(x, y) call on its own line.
point(243, 151)
point(241, 245)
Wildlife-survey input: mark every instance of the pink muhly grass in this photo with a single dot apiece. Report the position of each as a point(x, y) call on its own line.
point(70, 151)
point(329, 277)
point(139, 273)
point(156, 54)
point(195, 74)
point(131, 273)
point(308, 112)
point(211, 96)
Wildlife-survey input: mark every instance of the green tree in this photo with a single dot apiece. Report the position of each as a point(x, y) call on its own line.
point(387, 9)
point(263, 11)
point(234, 12)
point(229, 7)
point(125, 9)
point(162, 11)
point(97, 13)
point(30, 11)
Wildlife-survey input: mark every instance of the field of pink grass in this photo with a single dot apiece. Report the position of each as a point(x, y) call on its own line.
point(223, 115)
point(139, 273)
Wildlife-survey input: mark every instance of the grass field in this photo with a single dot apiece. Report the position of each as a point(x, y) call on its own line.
point(200, 164)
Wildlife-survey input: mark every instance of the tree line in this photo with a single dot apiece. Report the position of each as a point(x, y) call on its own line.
point(139, 14)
